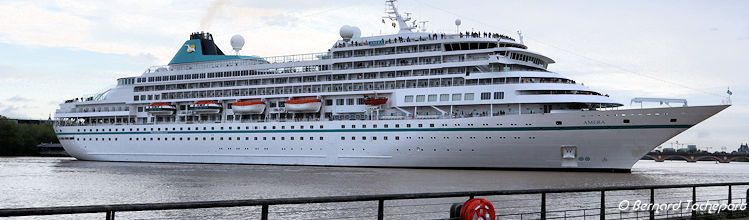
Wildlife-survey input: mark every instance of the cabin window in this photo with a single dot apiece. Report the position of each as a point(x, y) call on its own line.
point(499, 95)
point(409, 98)
point(420, 98)
point(485, 96)
point(444, 97)
point(457, 97)
point(468, 96)
point(432, 98)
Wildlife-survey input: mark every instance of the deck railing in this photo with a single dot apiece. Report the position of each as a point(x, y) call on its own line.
point(542, 212)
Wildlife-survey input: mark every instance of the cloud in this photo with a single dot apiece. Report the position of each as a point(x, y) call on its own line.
point(18, 99)
point(282, 20)
point(12, 112)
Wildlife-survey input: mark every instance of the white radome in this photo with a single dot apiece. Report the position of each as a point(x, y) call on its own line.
point(237, 42)
point(357, 32)
point(457, 22)
point(347, 32)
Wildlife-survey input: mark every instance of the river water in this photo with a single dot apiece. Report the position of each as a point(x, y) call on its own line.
point(60, 181)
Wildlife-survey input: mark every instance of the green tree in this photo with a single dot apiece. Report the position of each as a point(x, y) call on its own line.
point(21, 139)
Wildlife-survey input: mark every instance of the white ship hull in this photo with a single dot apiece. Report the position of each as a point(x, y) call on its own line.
point(601, 140)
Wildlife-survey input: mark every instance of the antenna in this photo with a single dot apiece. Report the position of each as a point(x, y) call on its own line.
point(520, 37)
point(423, 26)
point(392, 12)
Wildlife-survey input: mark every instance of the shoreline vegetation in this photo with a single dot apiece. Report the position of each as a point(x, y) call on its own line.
point(21, 139)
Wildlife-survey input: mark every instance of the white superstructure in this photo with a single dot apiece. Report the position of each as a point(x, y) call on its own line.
point(412, 99)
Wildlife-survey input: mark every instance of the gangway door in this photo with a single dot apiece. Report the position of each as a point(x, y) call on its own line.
point(568, 154)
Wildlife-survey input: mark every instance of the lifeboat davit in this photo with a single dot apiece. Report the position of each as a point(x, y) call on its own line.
point(248, 107)
point(374, 101)
point(303, 105)
point(161, 108)
point(205, 107)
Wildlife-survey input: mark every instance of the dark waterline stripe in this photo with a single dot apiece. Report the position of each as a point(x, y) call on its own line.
point(396, 130)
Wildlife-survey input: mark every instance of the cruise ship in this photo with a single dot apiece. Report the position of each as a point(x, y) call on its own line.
point(411, 99)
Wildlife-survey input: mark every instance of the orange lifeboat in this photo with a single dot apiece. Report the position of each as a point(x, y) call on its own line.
point(248, 107)
point(376, 101)
point(161, 108)
point(205, 107)
point(303, 105)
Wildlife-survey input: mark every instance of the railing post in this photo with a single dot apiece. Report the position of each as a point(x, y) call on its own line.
point(652, 202)
point(603, 205)
point(730, 195)
point(110, 215)
point(730, 198)
point(694, 201)
point(264, 213)
point(543, 206)
point(381, 210)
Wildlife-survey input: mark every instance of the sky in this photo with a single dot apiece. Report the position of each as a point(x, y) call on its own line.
point(60, 49)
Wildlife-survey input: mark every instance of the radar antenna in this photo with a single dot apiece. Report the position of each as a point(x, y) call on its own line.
point(520, 36)
point(393, 14)
point(423, 26)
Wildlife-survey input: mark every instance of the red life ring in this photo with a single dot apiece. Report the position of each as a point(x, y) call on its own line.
point(477, 209)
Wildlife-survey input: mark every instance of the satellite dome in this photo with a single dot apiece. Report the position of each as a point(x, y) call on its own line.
point(457, 21)
point(347, 32)
point(357, 32)
point(237, 42)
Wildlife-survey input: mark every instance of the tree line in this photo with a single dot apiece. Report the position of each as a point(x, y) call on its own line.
point(21, 139)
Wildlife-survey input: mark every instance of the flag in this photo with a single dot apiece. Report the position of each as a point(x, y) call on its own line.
point(383, 20)
point(729, 92)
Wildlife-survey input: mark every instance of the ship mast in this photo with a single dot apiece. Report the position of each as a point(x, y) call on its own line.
point(393, 14)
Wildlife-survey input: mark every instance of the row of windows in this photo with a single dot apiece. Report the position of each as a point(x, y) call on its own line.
point(455, 97)
point(301, 127)
point(343, 87)
point(301, 138)
point(266, 127)
point(207, 138)
point(312, 68)
point(206, 128)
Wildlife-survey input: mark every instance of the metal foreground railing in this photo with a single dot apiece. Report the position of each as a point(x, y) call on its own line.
point(541, 208)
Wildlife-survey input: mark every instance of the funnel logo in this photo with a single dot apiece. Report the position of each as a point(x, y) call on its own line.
point(190, 48)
